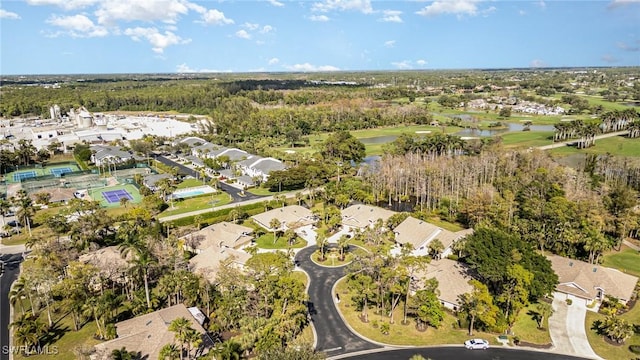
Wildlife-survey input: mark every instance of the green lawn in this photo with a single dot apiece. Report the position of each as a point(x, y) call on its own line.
point(617, 145)
point(202, 202)
point(266, 242)
point(627, 260)
point(606, 350)
point(526, 139)
point(526, 328)
point(187, 183)
point(400, 334)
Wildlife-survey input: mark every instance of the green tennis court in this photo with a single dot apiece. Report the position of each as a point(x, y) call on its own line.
point(110, 196)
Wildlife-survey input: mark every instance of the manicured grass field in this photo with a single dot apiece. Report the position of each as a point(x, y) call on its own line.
point(527, 139)
point(627, 260)
point(189, 183)
point(617, 145)
point(266, 242)
point(526, 328)
point(606, 350)
point(400, 334)
point(202, 202)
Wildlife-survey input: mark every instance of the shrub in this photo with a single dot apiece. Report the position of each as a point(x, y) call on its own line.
point(569, 301)
point(634, 349)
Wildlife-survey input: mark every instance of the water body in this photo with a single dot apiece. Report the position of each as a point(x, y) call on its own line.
point(511, 127)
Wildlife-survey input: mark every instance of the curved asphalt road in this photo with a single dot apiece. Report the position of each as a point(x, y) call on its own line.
point(459, 353)
point(10, 274)
point(333, 336)
point(234, 192)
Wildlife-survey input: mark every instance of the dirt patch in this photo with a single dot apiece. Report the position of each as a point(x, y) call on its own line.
point(535, 346)
point(612, 342)
point(363, 319)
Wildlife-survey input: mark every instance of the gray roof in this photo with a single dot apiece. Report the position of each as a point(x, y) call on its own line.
point(192, 140)
point(268, 165)
point(195, 160)
point(151, 180)
point(246, 179)
point(104, 151)
point(234, 154)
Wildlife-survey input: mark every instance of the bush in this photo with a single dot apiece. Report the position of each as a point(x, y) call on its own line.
point(569, 301)
point(634, 349)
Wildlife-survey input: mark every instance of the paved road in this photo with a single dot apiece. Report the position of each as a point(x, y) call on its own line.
point(11, 271)
point(332, 334)
point(185, 170)
point(457, 353)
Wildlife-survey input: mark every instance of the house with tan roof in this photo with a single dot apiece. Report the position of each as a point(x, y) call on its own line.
point(148, 333)
point(362, 216)
point(220, 235)
point(581, 280)
point(290, 217)
point(420, 234)
point(453, 280)
point(109, 262)
point(56, 195)
point(208, 262)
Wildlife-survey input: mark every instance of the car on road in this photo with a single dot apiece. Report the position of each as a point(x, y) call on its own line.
point(475, 344)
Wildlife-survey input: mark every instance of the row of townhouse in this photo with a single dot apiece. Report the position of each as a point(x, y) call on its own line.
point(249, 165)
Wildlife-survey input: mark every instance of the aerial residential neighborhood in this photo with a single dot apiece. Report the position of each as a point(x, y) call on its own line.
point(353, 179)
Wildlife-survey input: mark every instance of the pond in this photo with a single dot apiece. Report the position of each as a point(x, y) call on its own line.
point(511, 127)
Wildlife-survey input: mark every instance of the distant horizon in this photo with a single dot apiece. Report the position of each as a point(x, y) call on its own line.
point(47, 37)
point(204, 74)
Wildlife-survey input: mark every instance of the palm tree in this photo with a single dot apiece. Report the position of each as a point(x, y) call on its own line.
point(544, 310)
point(140, 265)
point(169, 352)
point(124, 201)
point(25, 208)
point(275, 224)
point(181, 327)
point(435, 248)
point(343, 245)
point(322, 242)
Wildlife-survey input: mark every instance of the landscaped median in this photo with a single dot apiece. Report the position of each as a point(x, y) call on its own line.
point(409, 335)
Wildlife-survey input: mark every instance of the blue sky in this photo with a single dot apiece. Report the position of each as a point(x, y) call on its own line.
point(166, 36)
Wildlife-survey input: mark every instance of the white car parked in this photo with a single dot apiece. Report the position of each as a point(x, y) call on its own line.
point(474, 344)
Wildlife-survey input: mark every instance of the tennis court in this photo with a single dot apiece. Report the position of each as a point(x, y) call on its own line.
point(58, 172)
point(19, 176)
point(110, 196)
point(114, 196)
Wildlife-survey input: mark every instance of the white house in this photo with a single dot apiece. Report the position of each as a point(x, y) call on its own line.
point(420, 234)
point(257, 166)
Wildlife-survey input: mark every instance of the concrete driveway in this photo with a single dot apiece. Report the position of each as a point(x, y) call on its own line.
point(568, 329)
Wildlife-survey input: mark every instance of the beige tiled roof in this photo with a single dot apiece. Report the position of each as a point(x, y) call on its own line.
point(452, 277)
point(148, 333)
point(292, 216)
point(57, 194)
point(211, 259)
point(224, 234)
point(108, 261)
point(418, 233)
point(583, 279)
point(361, 216)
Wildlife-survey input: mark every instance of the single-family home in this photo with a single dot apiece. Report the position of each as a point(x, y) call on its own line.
point(290, 217)
point(103, 155)
point(420, 234)
point(109, 263)
point(220, 235)
point(56, 195)
point(588, 282)
point(362, 216)
point(210, 260)
point(151, 180)
point(453, 280)
point(147, 334)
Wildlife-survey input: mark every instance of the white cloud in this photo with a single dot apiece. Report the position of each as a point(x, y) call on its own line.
point(457, 7)
point(364, 6)
point(168, 11)
point(266, 29)
point(319, 18)
point(390, 43)
point(243, 34)
point(273, 61)
point(215, 17)
point(184, 68)
point(65, 4)
point(619, 3)
point(391, 16)
point(421, 62)
point(78, 26)
point(306, 67)
point(609, 59)
point(542, 4)
point(522, 13)
point(159, 41)
point(626, 47)
point(403, 65)
point(275, 3)
point(537, 63)
point(250, 26)
point(4, 14)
